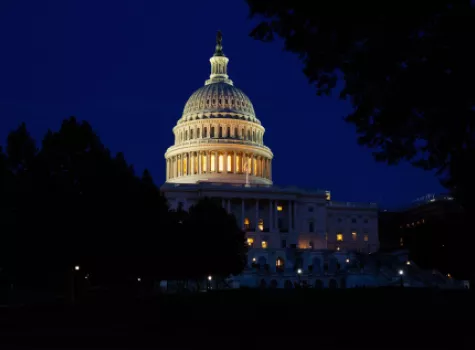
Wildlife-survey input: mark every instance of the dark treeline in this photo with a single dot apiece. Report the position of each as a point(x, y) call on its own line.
point(72, 202)
point(407, 70)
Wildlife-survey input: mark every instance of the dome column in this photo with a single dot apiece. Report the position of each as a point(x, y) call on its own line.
point(168, 169)
point(225, 162)
point(199, 162)
point(235, 162)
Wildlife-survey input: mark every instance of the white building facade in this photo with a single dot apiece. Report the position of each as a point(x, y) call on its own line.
point(219, 152)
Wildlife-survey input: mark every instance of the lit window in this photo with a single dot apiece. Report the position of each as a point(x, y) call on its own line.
point(203, 163)
point(279, 262)
point(220, 163)
point(260, 224)
point(366, 238)
point(401, 242)
point(338, 248)
point(328, 195)
point(339, 237)
point(247, 223)
point(354, 235)
point(264, 244)
point(279, 208)
point(229, 163)
point(250, 241)
point(238, 163)
point(213, 161)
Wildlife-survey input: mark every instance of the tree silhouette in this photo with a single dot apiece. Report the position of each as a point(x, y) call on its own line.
point(213, 243)
point(71, 202)
point(406, 67)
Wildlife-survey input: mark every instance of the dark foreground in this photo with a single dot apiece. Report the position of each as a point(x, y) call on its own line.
point(364, 318)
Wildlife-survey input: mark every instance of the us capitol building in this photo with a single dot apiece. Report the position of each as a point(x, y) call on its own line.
point(219, 152)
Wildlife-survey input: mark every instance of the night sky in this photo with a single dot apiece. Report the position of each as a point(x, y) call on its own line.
point(128, 68)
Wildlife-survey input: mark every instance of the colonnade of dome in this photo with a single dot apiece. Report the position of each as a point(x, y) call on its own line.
point(218, 161)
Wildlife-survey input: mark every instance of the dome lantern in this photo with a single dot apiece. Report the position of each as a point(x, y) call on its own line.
point(219, 64)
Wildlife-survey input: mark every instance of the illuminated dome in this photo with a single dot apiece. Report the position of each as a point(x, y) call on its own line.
point(219, 100)
point(218, 138)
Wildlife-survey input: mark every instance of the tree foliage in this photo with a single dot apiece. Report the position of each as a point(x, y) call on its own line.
point(407, 68)
point(71, 202)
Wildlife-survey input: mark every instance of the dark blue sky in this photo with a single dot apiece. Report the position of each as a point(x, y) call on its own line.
point(128, 68)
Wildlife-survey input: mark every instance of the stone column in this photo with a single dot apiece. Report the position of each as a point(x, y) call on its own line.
point(270, 169)
point(257, 215)
point(225, 162)
point(295, 217)
point(252, 164)
point(271, 224)
point(290, 215)
point(208, 160)
point(199, 162)
point(168, 170)
point(235, 162)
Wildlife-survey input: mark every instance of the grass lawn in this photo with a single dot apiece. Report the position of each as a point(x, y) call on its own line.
point(380, 318)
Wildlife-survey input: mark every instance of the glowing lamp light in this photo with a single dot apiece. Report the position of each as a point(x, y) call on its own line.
point(347, 261)
point(254, 259)
point(139, 279)
point(401, 272)
point(299, 271)
point(408, 263)
point(210, 278)
point(76, 268)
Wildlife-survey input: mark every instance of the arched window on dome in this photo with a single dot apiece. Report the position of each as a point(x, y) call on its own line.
point(186, 135)
point(220, 132)
point(242, 134)
point(198, 133)
point(228, 132)
point(248, 134)
point(236, 133)
point(205, 132)
point(211, 134)
point(191, 134)
point(253, 136)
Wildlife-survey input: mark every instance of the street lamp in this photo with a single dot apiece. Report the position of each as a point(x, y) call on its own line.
point(210, 278)
point(299, 271)
point(77, 268)
point(347, 261)
point(401, 274)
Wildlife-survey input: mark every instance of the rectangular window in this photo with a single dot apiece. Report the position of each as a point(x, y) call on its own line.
point(264, 244)
point(229, 166)
point(339, 237)
point(191, 134)
point(250, 242)
point(213, 162)
point(284, 243)
point(220, 131)
point(221, 163)
point(205, 132)
point(212, 132)
point(310, 226)
point(204, 163)
point(236, 134)
point(238, 163)
point(280, 223)
point(228, 133)
point(279, 208)
point(354, 235)
point(198, 133)
point(366, 238)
